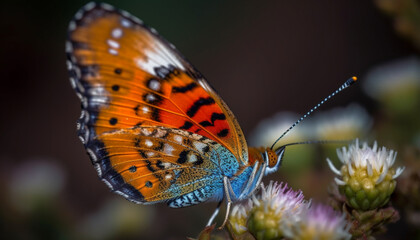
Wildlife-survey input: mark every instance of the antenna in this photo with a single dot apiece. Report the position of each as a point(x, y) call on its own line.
point(318, 142)
point(280, 150)
point(345, 85)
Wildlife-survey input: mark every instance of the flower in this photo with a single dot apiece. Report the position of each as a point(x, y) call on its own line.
point(391, 77)
point(396, 85)
point(320, 222)
point(367, 176)
point(276, 208)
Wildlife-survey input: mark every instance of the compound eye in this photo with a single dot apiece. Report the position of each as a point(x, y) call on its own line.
point(272, 158)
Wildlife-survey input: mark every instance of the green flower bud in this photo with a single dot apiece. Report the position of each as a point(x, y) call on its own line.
point(367, 176)
point(277, 207)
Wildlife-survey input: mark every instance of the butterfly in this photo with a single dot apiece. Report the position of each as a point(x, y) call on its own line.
point(154, 129)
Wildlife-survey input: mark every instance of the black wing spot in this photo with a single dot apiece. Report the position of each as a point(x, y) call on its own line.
point(149, 184)
point(136, 109)
point(217, 116)
point(187, 125)
point(137, 142)
point(118, 71)
point(223, 133)
point(115, 87)
point(113, 121)
point(155, 115)
point(149, 166)
point(183, 156)
point(206, 149)
point(198, 104)
point(143, 155)
point(205, 124)
point(132, 169)
point(199, 161)
point(159, 164)
point(187, 141)
point(184, 89)
point(214, 117)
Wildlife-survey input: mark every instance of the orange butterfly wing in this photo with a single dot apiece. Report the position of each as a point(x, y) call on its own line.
point(161, 163)
point(128, 77)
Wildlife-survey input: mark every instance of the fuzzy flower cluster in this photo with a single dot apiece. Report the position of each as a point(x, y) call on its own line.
point(319, 222)
point(281, 212)
point(367, 176)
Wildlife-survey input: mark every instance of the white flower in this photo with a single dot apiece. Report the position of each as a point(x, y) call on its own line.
point(367, 175)
point(372, 159)
point(393, 78)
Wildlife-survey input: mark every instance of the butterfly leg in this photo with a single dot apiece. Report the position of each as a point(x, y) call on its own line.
point(228, 192)
point(250, 181)
point(215, 213)
point(260, 175)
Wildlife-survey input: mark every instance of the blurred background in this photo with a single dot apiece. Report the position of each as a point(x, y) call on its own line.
point(270, 61)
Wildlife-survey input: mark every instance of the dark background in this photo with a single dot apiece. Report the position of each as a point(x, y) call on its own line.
point(261, 56)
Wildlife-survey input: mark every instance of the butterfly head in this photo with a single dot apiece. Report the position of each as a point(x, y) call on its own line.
point(273, 158)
